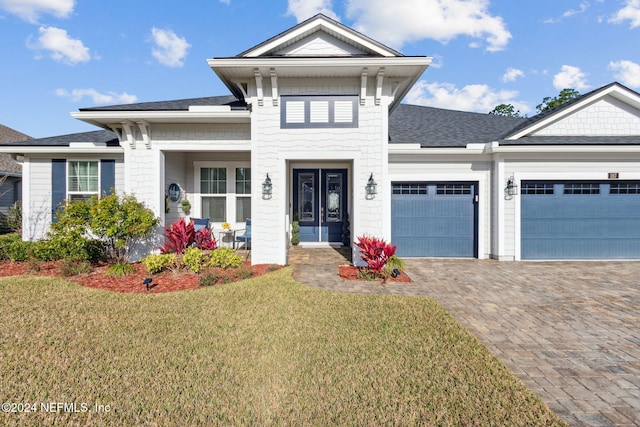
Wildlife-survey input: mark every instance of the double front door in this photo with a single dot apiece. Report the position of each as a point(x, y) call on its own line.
point(320, 203)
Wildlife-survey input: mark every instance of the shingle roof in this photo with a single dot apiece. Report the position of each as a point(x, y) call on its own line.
point(6, 135)
point(98, 136)
point(427, 126)
point(437, 127)
point(175, 105)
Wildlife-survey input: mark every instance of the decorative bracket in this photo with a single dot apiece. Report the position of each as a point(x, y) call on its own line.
point(363, 85)
point(145, 130)
point(379, 81)
point(243, 88)
point(256, 73)
point(274, 86)
point(126, 134)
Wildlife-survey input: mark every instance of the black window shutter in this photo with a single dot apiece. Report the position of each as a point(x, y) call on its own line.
point(58, 185)
point(107, 176)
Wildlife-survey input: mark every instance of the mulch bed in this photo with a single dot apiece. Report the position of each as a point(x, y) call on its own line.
point(166, 281)
point(350, 272)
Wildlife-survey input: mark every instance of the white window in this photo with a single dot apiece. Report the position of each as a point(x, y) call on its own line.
point(319, 111)
point(83, 179)
point(223, 192)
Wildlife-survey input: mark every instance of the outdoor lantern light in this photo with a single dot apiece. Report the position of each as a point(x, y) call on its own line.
point(512, 188)
point(267, 188)
point(371, 188)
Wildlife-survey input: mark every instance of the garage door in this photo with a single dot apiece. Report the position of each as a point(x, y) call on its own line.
point(434, 219)
point(580, 220)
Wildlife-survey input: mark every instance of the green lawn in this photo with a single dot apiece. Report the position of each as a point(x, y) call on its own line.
point(266, 351)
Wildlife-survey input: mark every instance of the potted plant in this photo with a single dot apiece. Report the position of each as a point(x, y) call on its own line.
point(186, 205)
point(295, 230)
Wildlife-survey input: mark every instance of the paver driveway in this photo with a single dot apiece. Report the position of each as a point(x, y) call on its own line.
point(569, 330)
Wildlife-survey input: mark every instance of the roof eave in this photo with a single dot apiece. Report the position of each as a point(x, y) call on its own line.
point(105, 119)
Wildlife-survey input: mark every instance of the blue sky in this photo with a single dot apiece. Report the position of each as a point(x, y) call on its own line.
point(61, 55)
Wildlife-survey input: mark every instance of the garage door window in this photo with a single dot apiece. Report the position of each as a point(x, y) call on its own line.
point(453, 189)
point(409, 189)
point(581, 188)
point(540, 188)
point(625, 188)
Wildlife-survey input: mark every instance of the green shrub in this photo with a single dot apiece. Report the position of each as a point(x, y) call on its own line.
point(44, 250)
point(155, 263)
point(5, 240)
point(18, 250)
point(194, 259)
point(120, 222)
point(273, 267)
point(208, 279)
point(224, 258)
point(392, 264)
point(72, 267)
point(119, 269)
point(244, 272)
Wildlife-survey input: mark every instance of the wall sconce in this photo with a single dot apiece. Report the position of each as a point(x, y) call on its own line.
point(267, 188)
point(511, 189)
point(371, 188)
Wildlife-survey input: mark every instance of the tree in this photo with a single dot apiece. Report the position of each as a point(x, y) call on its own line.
point(506, 110)
point(549, 103)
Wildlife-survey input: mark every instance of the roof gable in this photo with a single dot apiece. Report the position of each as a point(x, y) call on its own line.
point(319, 36)
point(610, 111)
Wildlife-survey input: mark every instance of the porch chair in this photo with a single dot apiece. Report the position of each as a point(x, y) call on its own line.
point(200, 223)
point(244, 238)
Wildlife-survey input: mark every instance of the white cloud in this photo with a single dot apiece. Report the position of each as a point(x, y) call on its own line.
point(570, 77)
point(30, 10)
point(627, 72)
point(569, 13)
point(170, 49)
point(630, 12)
point(512, 74)
point(97, 97)
point(305, 9)
point(477, 97)
point(399, 22)
point(227, 2)
point(60, 46)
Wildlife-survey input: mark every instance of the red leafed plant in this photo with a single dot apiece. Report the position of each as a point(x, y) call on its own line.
point(375, 252)
point(181, 235)
point(205, 240)
point(178, 236)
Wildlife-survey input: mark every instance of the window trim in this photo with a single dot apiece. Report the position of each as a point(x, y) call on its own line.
point(69, 192)
point(306, 123)
point(230, 196)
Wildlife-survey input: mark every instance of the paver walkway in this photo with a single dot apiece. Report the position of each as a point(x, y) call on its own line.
point(569, 330)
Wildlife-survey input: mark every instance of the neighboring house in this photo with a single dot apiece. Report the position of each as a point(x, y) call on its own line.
point(317, 110)
point(10, 176)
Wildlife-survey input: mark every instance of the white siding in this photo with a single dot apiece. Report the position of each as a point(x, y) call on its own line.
point(274, 149)
point(37, 208)
point(607, 117)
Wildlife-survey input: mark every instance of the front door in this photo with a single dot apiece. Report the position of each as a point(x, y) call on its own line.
point(320, 203)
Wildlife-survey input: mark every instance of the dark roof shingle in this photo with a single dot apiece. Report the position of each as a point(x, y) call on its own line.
point(175, 105)
point(97, 136)
point(437, 127)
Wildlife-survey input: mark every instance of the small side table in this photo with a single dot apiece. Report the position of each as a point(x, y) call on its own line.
point(226, 238)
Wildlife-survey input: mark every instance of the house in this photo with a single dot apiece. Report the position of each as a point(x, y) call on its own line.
point(10, 176)
point(315, 112)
